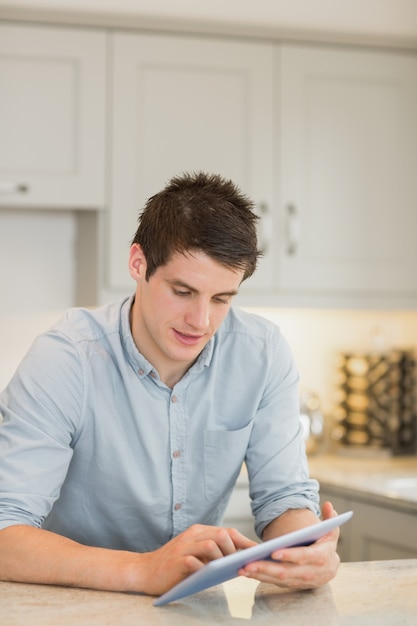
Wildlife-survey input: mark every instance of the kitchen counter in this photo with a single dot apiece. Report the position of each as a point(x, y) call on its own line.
point(389, 481)
point(373, 593)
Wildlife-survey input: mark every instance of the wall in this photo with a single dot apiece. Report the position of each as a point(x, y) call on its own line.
point(317, 336)
point(37, 277)
point(37, 261)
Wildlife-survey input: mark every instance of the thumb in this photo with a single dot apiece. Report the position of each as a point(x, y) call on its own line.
point(327, 510)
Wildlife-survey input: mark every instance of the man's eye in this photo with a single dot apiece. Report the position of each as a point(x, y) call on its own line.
point(178, 292)
point(222, 300)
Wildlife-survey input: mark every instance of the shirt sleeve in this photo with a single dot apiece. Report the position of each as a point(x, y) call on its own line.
point(276, 459)
point(40, 410)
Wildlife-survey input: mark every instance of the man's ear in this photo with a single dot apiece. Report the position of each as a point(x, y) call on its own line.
point(137, 262)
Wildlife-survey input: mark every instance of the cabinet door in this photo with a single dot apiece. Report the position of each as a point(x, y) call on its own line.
point(380, 533)
point(187, 104)
point(341, 504)
point(238, 513)
point(52, 117)
point(349, 184)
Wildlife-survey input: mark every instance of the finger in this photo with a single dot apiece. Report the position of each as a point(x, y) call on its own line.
point(285, 574)
point(211, 543)
point(302, 572)
point(228, 539)
point(316, 554)
point(209, 550)
point(289, 576)
point(191, 564)
point(241, 542)
point(298, 556)
point(281, 578)
point(327, 510)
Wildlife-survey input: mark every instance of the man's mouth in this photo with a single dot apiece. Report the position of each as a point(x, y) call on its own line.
point(187, 338)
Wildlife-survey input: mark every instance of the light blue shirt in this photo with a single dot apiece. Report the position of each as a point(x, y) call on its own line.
point(95, 447)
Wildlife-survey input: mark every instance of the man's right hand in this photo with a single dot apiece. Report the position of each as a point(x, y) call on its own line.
point(187, 553)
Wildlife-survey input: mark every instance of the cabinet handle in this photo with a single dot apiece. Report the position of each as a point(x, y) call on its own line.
point(293, 229)
point(264, 238)
point(9, 187)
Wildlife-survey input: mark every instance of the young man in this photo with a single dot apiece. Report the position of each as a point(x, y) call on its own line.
point(125, 428)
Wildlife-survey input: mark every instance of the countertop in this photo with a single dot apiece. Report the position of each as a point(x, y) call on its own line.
point(383, 480)
point(379, 593)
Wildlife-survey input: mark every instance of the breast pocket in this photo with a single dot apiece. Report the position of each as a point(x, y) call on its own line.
point(224, 452)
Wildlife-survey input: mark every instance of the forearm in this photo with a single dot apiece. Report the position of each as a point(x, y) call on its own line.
point(33, 555)
point(291, 520)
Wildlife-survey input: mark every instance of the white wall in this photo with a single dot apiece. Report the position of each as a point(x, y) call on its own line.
point(317, 336)
point(37, 266)
point(37, 278)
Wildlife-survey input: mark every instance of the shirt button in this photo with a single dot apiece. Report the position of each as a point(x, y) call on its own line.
point(141, 372)
point(174, 399)
point(176, 454)
point(153, 375)
point(177, 506)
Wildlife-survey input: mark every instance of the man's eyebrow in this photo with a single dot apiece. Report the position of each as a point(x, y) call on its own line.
point(180, 283)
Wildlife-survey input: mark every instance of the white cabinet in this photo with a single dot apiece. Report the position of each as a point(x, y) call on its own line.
point(186, 104)
point(375, 532)
point(52, 117)
point(341, 505)
point(323, 138)
point(348, 138)
point(382, 534)
point(238, 513)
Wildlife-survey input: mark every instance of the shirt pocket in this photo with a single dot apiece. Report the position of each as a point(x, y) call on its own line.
point(224, 453)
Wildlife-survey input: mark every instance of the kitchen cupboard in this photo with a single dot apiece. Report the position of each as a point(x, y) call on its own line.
point(375, 532)
point(238, 512)
point(378, 530)
point(348, 139)
point(187, 104)
point(341, 505)
point(52, 116)
point(324, 138)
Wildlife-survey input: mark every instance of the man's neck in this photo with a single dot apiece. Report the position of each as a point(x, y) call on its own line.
point(169, 373)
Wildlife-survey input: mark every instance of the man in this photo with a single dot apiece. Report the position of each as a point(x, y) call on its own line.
point(125, 428)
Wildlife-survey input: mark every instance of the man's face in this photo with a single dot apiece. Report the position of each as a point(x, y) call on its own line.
point(180, 308)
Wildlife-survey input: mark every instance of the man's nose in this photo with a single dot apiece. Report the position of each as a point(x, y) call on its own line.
point(198, 315)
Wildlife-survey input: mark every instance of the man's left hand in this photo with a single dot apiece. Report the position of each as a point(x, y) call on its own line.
point(305, 567)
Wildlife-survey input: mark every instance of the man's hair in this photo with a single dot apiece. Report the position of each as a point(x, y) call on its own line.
point(202, 212)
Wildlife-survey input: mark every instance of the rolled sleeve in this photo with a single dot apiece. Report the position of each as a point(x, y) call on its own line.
point(35, 435)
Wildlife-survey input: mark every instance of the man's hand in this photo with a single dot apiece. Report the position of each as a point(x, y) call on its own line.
point(187, 553)
point(299, 567)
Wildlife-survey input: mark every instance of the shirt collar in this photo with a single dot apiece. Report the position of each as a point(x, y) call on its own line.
point(136, 359)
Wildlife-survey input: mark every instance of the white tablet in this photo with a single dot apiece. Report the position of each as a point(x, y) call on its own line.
point(227, 567)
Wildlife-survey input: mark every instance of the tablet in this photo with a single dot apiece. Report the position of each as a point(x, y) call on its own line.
point(227, 567)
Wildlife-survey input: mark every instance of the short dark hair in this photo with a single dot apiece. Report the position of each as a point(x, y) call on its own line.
point(203, 212)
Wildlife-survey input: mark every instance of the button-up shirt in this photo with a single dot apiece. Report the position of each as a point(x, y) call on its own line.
point(94, 446)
